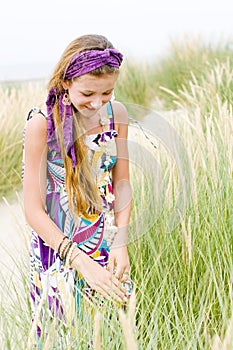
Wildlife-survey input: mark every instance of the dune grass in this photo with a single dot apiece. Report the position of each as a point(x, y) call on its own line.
point(15, 102)
point(181, 255)
point(141, 82)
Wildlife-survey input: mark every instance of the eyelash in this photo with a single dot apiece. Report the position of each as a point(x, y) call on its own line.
point(105, 93)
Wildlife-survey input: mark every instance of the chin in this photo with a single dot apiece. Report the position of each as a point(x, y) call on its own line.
point(88, 113)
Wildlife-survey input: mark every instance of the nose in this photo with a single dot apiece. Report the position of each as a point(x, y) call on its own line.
point(96, 103)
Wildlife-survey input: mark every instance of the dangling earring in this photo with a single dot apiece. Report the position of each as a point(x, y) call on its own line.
point(66, 99)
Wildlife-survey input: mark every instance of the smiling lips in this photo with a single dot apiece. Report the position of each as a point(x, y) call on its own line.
point(95, 105)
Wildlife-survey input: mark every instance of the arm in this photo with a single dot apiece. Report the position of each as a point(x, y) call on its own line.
point(123, 197)
point(34, 184)
point(34, 192)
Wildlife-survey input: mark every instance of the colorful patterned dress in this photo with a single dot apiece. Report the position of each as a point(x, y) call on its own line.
point(64, 286)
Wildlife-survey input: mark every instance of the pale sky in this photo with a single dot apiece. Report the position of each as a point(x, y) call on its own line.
point(33, 34)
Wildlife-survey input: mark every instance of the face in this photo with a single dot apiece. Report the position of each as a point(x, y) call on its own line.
point(88, 93)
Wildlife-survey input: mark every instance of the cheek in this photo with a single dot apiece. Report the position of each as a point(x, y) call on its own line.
point(107, 98)
point(80, 100)
point(77, 99)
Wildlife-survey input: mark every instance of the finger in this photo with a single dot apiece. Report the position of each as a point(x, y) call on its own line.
point(110, 266)
point(119, 272)
point(113, 287)
point(125, 276)
point(110, 288)
point(105, 294)
point(118, 289)
point(111, 293)
point(122, 273)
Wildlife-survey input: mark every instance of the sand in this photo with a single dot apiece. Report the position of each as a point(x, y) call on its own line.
point(13, 244)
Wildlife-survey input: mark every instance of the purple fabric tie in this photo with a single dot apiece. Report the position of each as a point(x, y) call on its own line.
point(87, 61)
point(81, 64)
point(67, 125)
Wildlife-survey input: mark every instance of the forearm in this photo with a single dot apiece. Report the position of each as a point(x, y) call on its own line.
point(41, 223)
point(34, 182)
point(50, 233)
point(122, 211)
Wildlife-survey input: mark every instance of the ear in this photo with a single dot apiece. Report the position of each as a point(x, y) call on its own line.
point(66, 84)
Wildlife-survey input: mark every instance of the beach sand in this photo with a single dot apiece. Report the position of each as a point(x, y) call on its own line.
point(14, 234)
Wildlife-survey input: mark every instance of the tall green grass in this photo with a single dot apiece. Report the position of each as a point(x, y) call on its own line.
point(185, 275)
point(15, 102)
point(141, 82)
point(183, 268)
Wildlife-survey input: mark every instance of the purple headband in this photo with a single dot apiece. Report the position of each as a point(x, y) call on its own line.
point(86, 61)
point(82, 63)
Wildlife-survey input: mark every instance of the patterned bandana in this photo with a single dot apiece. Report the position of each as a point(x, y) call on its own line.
point(81, 64)
point(86, 61)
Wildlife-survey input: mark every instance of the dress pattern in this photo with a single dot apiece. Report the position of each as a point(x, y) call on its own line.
point(63, 286)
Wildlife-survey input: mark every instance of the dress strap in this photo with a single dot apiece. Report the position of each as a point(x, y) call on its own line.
point(110, 115)
point(35, 110)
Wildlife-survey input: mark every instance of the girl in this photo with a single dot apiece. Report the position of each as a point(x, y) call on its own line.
point(77, 196)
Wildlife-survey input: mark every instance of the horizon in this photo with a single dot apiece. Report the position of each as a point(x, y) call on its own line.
point(34, 35)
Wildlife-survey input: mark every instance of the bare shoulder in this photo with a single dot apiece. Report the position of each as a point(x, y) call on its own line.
point(120, 113)
point(36, 129)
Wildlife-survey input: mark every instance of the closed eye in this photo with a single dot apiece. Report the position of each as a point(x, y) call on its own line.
point(108, 92)
point(87, 94)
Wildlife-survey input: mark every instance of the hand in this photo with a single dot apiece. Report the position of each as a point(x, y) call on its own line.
point(119, 264)
point(100, 279)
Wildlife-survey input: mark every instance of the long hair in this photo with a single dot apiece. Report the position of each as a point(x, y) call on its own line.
point(83, 195)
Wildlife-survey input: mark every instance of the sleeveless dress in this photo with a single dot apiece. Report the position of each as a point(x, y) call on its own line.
point(62, 287)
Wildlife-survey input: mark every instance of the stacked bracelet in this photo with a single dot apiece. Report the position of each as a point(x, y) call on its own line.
point(63, 248)
point(69, 254)
point(65, 251)
point(59, 247)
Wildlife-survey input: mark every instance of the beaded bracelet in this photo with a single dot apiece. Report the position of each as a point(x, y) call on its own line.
point(66, 250)
point(59, 247)
point(69, 254)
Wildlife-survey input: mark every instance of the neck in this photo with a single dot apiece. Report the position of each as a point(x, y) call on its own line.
point(93, 124)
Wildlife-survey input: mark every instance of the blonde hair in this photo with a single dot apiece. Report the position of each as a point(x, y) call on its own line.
point(83, 195)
